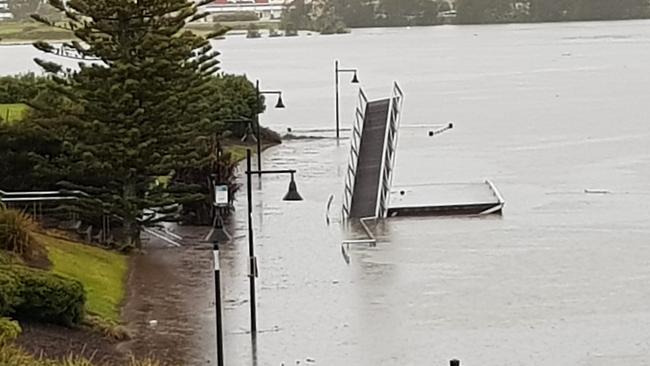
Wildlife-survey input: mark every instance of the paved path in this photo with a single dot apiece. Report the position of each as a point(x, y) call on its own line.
point(170, 304)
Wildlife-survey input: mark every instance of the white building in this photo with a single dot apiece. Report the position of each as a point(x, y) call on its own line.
point(265, 9)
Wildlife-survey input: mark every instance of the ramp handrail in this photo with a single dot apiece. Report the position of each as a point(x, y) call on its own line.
point(355, 140)
point(390, 147)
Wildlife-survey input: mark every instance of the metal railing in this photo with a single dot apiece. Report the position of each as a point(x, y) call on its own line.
point(355, 141)
point(389, 153)
point(33, 202)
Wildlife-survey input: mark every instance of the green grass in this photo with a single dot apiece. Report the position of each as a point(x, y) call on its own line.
point(205, 28)
point(237, 152)
point(103, 273)
point(31, 31)
point(13, 112)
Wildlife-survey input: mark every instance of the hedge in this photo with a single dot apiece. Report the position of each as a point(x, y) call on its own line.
point(236, 17)
point(42, 296)
point(20, 88)
point(9, 289)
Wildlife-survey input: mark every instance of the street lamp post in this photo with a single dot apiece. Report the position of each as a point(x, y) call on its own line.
point(217, 298)
point(279, 105)
point(355, 80)
point(218, 234)
point(292, 195)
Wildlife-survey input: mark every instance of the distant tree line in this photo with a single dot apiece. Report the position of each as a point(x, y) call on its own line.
point(333, 16)
point(504, 11)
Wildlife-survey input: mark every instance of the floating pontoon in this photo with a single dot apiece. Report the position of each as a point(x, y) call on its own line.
point(368, 185)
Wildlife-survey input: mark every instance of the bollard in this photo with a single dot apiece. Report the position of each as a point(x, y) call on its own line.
point(454, 363)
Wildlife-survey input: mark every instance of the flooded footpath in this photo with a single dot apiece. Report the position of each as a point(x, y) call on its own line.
point(561, 278)
point(170, 305)
point(554, 114)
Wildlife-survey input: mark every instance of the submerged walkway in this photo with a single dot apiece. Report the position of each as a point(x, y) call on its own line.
point(170, 304)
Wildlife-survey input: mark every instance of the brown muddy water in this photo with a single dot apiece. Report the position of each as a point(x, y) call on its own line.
point(170, 304)
point(546, 111)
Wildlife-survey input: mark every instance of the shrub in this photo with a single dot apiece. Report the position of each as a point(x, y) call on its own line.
point(46, 297)
point(20, 88)
point(21, 144)
point(9, 330)
point(236, 17)
point(9, 293)
point(16, 234)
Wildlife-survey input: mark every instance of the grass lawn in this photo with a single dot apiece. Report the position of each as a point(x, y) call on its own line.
point(28, 31)
point(103, 273)
point(12, 112)
point(238, 152)
point(31, 31)
point(205, 28)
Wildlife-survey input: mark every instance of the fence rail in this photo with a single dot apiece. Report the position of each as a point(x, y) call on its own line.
point(355, 140)
point(390, 147)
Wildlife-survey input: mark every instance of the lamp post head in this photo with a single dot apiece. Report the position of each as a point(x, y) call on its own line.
point(292, 194)
point(280, 103)
point(355, 79)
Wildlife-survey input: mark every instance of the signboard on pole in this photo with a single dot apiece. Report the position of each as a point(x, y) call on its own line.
point(221, 196)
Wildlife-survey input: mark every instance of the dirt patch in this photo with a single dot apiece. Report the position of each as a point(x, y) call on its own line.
point(56, 342)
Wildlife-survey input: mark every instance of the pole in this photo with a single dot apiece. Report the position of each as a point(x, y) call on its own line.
point(217, 304)
point(251, 247)
point(336, 83)
point(257, 120)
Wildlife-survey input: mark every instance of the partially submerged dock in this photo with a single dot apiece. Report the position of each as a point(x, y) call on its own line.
point(368, 186)
point(446, 199)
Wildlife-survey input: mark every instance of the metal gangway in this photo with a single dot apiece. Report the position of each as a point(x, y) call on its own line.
point(372, 156)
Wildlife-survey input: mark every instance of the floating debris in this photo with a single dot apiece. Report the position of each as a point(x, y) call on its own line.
point(597, 191)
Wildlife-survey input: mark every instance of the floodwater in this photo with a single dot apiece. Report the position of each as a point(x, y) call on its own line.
point(546, 111)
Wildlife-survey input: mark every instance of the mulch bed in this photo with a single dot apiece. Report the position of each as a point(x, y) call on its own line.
point(56, 342)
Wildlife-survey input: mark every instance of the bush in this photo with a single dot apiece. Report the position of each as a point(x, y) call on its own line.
point(9, 293)
point(45, 296)
point(16, 234)
point(236, 17)
point(9, 330)
point(21, 88)
point(21, 145)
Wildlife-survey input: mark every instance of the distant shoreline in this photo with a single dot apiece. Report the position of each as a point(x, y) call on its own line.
point(238, 32)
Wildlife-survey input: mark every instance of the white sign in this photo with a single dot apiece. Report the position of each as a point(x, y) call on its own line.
point(221, 196)
point(215, 254)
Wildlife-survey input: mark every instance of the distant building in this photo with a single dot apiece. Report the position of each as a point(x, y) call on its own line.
point(265, 9)
point(5, 13)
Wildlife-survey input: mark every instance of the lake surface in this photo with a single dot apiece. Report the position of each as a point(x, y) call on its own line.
point(545, 111)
